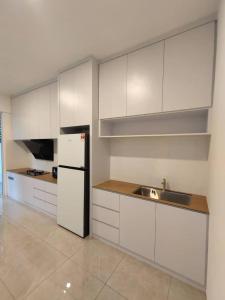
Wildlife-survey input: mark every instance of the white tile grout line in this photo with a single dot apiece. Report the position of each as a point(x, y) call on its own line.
point(46, 277)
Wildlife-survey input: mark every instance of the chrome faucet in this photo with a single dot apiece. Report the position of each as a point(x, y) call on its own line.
point(164, 184)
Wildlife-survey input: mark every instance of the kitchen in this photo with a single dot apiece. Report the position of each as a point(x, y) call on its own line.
point(112, 166)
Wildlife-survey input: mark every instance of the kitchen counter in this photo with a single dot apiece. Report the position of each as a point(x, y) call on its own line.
point(198, 203)
point(46, 177)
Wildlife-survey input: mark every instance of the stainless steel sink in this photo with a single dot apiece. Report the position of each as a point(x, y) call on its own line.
point(170, 196)
point(180, 198)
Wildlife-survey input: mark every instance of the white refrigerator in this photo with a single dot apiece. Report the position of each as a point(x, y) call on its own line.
point(73, 183)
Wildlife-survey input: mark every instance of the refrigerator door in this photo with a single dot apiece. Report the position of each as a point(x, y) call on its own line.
point(70, 208)
point(71, 150)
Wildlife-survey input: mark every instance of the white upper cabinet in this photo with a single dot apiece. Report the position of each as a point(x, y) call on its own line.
point(144, 80)
point(181, 241)
point(54, 110)
point(188, 65)
point(48, 111)
point(43, 96)
point(35, 114)
point(137, 226)
point(75, 96)
point(112, 88)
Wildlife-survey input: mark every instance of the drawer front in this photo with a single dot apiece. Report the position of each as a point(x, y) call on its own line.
point(106, 232)
point(105, 215)
point(46, 207)
point(46, 186)
point(47, 197)
point(106, 199)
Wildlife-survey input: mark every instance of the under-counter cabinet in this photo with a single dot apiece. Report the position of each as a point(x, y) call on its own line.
point(34, 192)
point(181, 241)
point(137, 226)
point(188, 69)
point(105, 215)
point(75, 96)
point(112, 88)
point(144, 80)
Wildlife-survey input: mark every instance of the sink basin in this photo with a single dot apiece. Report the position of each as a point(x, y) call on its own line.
point(170, 196)
point(175, 197)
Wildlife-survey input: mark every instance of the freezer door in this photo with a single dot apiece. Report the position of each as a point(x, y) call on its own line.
point(70, 208)
point(71, 150)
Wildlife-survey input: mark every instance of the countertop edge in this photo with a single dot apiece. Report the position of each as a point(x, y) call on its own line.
point(47, 178)
point(195, 197)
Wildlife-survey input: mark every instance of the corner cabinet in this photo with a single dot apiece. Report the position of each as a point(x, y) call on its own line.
point(137, 226)
point(75, 96)
point(35, 114)
point(188, 65)
point(181, 241)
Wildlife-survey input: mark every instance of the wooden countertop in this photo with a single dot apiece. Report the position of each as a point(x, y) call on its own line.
point(198, 203)
point(46, 177)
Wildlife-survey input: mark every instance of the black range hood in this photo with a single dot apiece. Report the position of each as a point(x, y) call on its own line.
point(41, 149)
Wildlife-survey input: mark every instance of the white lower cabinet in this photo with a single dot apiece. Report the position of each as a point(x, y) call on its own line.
point(105, 231)
point(137, 226)
point(172, 237)
point(181, 241)
point(36, 193)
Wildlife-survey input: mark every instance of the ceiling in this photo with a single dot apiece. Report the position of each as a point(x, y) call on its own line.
point(40, 37)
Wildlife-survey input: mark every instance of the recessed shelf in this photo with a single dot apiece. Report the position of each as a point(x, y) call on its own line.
point(182, 123)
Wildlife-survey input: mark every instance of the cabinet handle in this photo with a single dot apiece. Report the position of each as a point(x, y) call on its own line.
point(10, 178)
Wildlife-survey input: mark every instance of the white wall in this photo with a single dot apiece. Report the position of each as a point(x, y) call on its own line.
point(216, 257)
point(182, 160)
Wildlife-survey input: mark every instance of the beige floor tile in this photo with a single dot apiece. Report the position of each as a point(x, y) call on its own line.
point(4, 293)
point(49, 291)
point(23, 270)
point(37, 223)
point(98, 258)
point(136, 280)
point(108, 294)
point(65, 241)
point(181, 291)
point(74, 280)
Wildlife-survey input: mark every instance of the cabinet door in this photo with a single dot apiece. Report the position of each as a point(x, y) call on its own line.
point(112, 88)
point(67, 98)
point(54, 111)
point(137, 226)
point(188, 69)
point(43, 96)
point(145, 80)
point(181, 241)
point(76, 96)
point(18, 118)
point(30, 107)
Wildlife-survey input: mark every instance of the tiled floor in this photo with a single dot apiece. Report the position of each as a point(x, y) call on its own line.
point(41, 261)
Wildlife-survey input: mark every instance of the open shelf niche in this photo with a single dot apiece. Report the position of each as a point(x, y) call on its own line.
point(182, 123)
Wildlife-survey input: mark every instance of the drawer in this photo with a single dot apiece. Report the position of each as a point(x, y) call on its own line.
point(45, 186)
point(46, 207)
point(105, 215)
point(106, 199)
point(106, 232)
point(47, 197)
